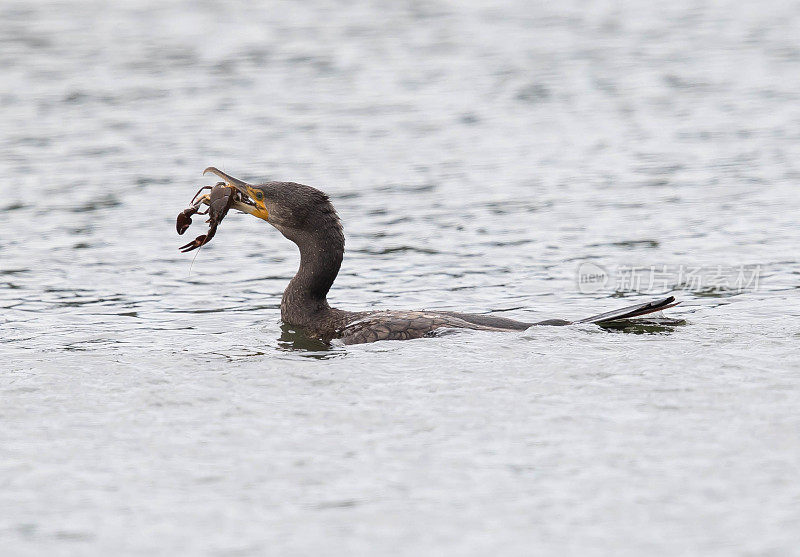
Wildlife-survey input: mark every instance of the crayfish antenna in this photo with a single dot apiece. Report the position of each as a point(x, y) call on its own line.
point(192, 263)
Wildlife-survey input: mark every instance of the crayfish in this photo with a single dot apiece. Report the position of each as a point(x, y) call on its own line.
point(219, 200)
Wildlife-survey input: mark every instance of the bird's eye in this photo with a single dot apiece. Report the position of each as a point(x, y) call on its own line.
point(259, 195)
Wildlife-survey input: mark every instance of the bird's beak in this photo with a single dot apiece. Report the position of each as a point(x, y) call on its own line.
point(250, 205)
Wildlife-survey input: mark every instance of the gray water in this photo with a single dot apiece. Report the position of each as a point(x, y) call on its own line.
point(480, 156)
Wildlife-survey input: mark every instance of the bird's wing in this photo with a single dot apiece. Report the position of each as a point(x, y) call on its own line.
point(401, 325)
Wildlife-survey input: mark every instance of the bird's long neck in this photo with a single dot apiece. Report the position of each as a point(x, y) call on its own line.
point(305, 301)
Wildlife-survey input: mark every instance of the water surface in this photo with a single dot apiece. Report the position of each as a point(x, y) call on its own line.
point(478, 155)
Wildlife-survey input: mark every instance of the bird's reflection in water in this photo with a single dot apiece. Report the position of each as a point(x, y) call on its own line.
point(293, 340)
point(644, 326)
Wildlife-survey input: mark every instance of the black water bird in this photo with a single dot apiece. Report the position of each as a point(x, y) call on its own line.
point(306, 216)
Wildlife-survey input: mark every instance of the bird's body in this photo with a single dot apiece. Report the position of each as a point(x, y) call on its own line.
point(404, 325)
point(306, 216)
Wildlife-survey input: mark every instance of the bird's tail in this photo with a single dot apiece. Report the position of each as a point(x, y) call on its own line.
point(632, 311)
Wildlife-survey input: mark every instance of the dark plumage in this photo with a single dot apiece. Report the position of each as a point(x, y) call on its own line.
point(306, 216)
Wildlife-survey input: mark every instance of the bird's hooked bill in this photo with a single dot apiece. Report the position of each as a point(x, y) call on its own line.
point(230, 180)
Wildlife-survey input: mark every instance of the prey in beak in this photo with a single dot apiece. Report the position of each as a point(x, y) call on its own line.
point(251, 199)
point(230, 194)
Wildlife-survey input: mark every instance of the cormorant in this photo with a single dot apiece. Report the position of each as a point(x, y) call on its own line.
point(306, 216)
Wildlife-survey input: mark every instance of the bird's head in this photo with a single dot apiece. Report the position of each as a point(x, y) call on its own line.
point(294, 209)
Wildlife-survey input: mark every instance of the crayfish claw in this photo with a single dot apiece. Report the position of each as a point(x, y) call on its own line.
point(194, 244)
point(184, 219)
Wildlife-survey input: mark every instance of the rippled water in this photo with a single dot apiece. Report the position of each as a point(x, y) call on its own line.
point(478, 155)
